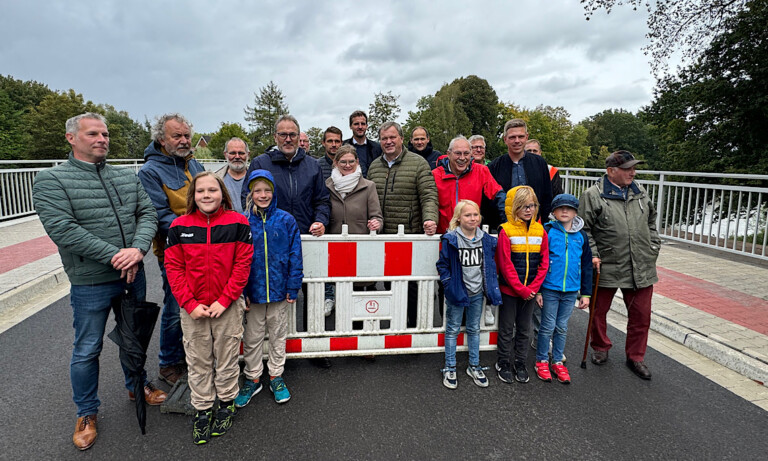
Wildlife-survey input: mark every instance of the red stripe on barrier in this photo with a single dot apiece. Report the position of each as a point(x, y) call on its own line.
point(293, 345)
point(397, 341)
point(440, 340)
point(346, 343)
point(493, 337)
point(342, 259)
point(460, 339)
point(398, 258)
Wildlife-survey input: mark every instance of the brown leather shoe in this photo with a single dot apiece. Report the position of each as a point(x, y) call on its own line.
point(171, 374)
point(599, 357)
point(85, 432)
point(152, 395)
point(639, 368)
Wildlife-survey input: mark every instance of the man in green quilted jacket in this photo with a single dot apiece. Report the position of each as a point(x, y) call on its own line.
point(103, 222)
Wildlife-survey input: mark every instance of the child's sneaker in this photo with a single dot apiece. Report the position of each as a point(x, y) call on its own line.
point(277, 386)
point(249, 389)
point(477, 374)
point(542, 371)
point(449, 378)
point(561, 372)
point(224, 417)
point(201, 428)
point(504, 372)
point(521, 373)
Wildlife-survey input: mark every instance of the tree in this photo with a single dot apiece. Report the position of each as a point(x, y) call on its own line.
point(45, 124)
point(315, 136)
point(713, 116)
point(226, 132)
point(12, 135)
point(674, 25)
point(384, 108)
point(617, 130)
point(269, 104)
point(442, 116)
point(127, 137)
point(562, 144)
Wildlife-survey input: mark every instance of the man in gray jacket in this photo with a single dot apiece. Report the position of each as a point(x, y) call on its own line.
point(620, 220)
point(103, 222)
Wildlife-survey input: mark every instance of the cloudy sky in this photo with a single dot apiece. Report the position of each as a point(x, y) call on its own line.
point(206, 59)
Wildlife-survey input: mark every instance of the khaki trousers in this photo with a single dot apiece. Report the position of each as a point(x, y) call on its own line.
point(269, 318)
point(212, 347)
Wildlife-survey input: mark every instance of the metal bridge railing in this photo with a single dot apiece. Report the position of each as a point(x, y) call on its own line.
point(706, 209)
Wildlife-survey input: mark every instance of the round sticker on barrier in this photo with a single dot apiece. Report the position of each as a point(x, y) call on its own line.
point(372, 306)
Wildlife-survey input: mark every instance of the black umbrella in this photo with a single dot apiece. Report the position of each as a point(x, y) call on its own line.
point(135, 321)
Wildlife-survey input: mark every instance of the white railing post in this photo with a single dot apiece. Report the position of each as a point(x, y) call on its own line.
point(660, 202)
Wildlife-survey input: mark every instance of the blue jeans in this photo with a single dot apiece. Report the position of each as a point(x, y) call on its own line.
point(453, 316)
point(557, 309)
point(171, 345)
point(90, 310)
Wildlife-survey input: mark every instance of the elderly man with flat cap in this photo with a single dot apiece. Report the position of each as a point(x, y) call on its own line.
point(620, 220)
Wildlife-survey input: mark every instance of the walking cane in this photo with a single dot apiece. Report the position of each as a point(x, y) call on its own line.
point(591, 317)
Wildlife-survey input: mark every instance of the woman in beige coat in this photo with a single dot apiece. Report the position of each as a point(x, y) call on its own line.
point(354, 202)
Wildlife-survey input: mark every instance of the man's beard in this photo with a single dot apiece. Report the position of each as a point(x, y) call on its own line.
point(237, 166)
point(183, 152)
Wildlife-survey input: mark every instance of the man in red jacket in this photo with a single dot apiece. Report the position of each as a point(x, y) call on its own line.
point(459, 178)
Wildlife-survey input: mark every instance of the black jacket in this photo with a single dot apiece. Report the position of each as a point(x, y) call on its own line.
point(536, 174)
point(429, 154)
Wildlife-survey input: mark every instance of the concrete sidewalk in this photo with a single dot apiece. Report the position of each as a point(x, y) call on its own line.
point(713, 303)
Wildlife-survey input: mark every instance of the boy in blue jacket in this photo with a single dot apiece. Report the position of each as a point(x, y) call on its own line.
point(273, 286)
point(570, 274)
point(468, 274)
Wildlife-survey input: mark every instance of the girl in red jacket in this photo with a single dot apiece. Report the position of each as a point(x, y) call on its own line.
point(522, 258)
point(207, 258)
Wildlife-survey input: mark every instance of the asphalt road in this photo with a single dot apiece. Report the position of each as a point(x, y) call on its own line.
point(395, 407)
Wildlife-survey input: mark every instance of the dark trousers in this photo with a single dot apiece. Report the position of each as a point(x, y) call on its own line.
point(638, 304)
point(515, 314)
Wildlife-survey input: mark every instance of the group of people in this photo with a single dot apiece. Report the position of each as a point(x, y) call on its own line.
point(229, 249)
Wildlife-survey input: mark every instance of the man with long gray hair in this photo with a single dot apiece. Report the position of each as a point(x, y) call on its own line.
point(169, 166)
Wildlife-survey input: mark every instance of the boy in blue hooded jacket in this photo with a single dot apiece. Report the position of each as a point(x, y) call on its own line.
point(570, 274)
point(273, 286)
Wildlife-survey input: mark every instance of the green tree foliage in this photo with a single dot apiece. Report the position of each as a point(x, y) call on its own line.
point(384, 108)
point(562, 144)
point(479, 101)
point(12, 133)
point(617, 130)
point(269, 104)
point(315, 136)
point(127, 137)
point(442, 115)
point(45, 124)
point(677, 25)
point(226, 132)
point(713, 116)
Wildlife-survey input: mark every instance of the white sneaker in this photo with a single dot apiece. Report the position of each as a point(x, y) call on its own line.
point(328, 307)
point(449, 378)
point(489, 315)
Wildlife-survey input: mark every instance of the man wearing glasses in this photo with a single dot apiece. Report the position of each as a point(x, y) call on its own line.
point(236, 153)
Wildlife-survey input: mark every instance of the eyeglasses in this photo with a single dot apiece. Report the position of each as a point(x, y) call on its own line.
point(529, 207)
point(346, 162)
point(462, 154)
point(478, 147)
point(285, 136)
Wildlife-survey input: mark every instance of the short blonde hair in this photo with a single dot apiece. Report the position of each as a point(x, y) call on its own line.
point(517, 197)
point(458, 210)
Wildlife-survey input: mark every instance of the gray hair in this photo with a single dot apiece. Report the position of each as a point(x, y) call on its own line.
point(158, 129)
point(388, 125)
point(290, 118)
point(457, 138)
point(73, 124)
point(476, 137)
point(235, 138)
point(515, 123)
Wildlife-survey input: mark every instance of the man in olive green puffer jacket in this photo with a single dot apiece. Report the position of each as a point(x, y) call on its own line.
point(620, 220)
point(103, 222)
point(405, 185)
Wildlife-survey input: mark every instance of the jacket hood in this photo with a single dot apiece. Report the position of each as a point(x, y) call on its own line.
point(278, 157)
point(576, 226)
point(511, 200)
point(264, 174)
